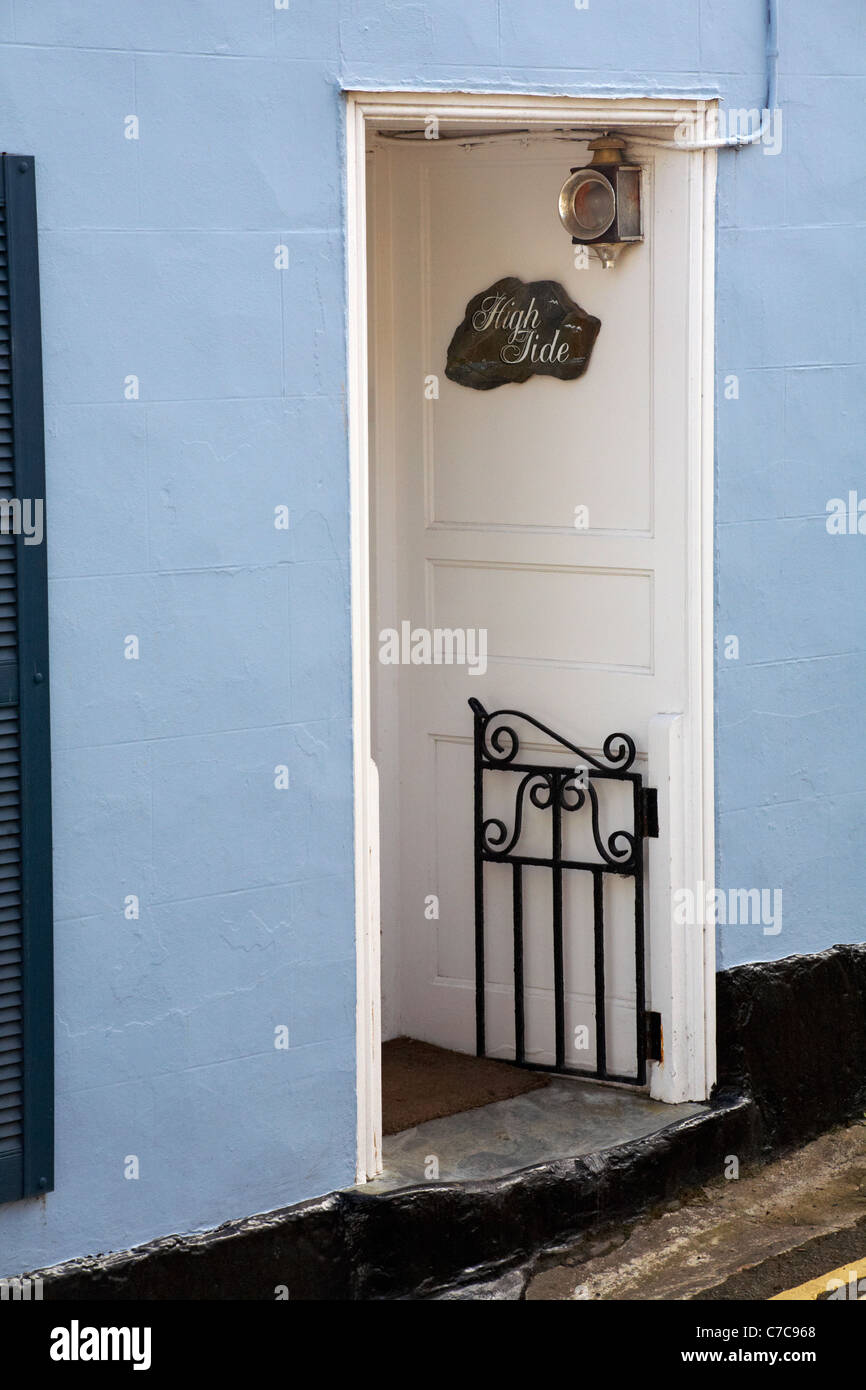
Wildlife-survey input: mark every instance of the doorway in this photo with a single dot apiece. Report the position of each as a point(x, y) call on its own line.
point(560, 532)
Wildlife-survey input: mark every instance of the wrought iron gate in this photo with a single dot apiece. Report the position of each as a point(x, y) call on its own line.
point(562, 790)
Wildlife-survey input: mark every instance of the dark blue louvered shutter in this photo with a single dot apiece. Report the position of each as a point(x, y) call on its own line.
point(26, 1009)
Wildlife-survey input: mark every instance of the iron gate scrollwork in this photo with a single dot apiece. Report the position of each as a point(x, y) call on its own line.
point(563, 791)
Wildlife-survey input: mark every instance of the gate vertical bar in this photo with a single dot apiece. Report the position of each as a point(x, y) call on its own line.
point(480, 1039)
point(639, 966)
point(519, 1020)
point(558, 966)
point(598, 938)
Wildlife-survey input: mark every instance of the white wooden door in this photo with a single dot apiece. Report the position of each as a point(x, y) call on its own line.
point(475, 496)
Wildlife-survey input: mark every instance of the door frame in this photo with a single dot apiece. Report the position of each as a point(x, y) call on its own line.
point(682, 960)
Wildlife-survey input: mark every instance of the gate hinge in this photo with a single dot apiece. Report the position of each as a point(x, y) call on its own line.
point(654, 1051)
point(649, 805)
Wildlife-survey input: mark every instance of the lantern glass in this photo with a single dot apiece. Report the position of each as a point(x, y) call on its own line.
point(587, 204)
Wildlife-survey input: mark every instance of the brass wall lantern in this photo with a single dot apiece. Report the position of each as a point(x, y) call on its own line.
point(600, 203)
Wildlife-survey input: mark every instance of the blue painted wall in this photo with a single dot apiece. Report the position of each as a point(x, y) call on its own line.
point(158, 261)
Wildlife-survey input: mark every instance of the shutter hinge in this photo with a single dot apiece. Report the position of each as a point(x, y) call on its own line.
point(654, 1049)
point(649, 806)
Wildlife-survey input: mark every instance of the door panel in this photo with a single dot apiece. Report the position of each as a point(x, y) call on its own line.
point(473, 509)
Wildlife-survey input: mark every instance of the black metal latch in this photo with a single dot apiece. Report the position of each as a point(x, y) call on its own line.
point(653, 1036)
point(649, 807)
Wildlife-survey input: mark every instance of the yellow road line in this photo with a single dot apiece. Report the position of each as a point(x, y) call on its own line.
point(846, 1274)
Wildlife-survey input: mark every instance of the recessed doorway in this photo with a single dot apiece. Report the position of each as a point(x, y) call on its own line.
point(561, 529)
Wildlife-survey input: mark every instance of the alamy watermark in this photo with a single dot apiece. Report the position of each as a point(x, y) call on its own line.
point(854, 1287)
point(438, 646)
point(23, 516)
point(736, 907)
point(846, 516)
point(22, 1290)
point(77, 1343)
point(731, 123)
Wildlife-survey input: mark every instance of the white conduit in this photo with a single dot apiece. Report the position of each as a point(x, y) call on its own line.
point(736, 142)
point(722, 142)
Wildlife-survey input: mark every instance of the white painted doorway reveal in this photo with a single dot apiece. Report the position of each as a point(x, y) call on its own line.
point(464, 512)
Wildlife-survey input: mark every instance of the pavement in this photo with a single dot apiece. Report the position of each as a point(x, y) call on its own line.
point(772, 1229)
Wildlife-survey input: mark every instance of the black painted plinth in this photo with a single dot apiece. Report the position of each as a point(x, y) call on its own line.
point(792, 1062)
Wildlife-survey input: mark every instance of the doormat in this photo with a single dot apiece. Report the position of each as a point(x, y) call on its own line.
point(422, 1082)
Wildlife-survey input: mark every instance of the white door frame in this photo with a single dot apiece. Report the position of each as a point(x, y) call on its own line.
point(682, 963)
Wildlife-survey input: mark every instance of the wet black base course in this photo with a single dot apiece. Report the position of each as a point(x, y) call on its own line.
point(792, 1036)
point(792, 1062)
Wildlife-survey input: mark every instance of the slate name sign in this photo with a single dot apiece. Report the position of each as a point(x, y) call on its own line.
point(513, 331)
